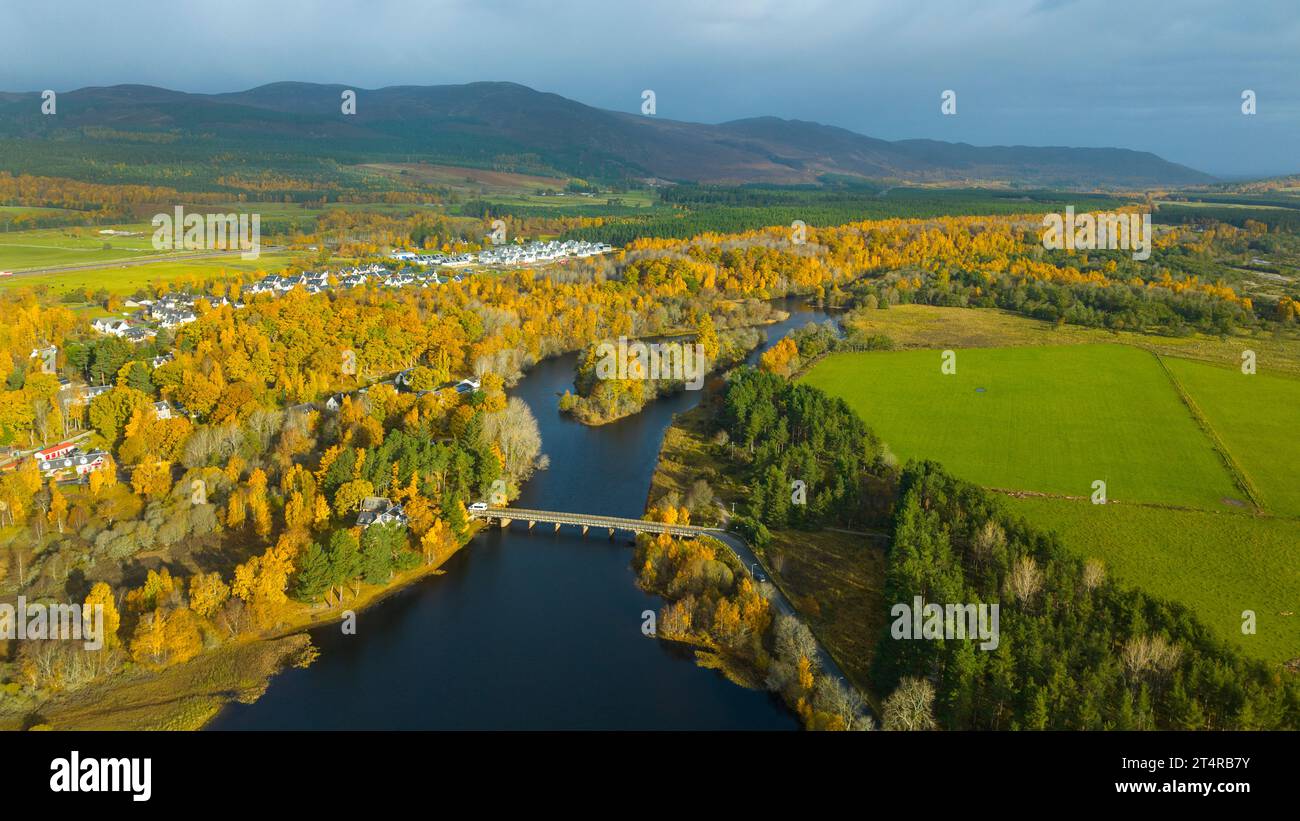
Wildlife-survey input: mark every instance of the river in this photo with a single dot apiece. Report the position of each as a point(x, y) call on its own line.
point(528, 629)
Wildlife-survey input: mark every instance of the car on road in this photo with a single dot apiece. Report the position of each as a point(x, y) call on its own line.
point(6, 273)
point(478, 506)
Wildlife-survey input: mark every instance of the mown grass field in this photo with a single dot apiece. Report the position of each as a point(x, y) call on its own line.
point(83, 244)
point(1218, 564)
point(14, 211)
point(1256, 417)
point(1049, 418)
point(49, 247)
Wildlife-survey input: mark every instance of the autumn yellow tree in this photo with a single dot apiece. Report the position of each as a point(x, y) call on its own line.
point(707, 337)
point(149, 644)
point(103, 480)
point(235, 510)
point(781, 358)
point(437, 541)
point(101, 595)
point(58, 511)
point(259, 506)
point(152, 479)
point(181, 637)
point(207, 593)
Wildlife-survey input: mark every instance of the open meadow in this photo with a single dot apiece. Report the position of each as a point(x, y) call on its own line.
point(1047, 419)
point(1199, 458)
point(1255, 416)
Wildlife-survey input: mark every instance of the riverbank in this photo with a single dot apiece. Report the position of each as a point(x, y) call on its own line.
point(833, 578)
point(188, 696)
point(563, 608)
point(183, 697)
point(601, 400)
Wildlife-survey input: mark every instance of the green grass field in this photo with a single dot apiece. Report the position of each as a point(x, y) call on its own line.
point(1256, 417)
point(48, 247)
point(1048, 418)
point(1219, 564)
point(83, 244)
point(1052, 417)
point(119, 279)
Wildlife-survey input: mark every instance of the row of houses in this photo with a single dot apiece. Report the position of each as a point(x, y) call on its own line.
point(315, 282)
point(175, 310)
point(66, 460)
point(535, 252)
point(513, 254)
point(171, 311)
point(441, 260)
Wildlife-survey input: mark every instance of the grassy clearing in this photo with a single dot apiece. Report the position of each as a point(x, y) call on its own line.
point(927, 326)
point(686, 456)
point(1255, 416)
point(458, 177)
point(1218, 564)
point(14, 211)
point(1048, 419)
point(837, 582)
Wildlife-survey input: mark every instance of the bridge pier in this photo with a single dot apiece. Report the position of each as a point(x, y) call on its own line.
point(531, 522)
point(504, 522)
point(584, 530)
point(611, 534)
point(557, 527)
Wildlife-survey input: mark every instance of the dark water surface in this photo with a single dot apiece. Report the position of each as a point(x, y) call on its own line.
point(527, 630)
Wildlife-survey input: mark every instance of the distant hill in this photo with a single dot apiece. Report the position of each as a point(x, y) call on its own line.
point(512, 127)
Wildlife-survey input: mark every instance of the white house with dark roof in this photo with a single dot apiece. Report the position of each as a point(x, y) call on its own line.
point(378, 510)
point(111, 325)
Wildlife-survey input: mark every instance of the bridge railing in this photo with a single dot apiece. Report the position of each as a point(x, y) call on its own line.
point(588, 520)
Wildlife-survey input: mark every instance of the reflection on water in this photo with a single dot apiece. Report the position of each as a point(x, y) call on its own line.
point(527, 629)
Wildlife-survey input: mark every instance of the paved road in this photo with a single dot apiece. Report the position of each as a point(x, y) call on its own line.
point(738, 546)
point(782, 604)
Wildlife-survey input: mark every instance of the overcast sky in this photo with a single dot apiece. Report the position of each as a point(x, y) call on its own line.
point(1033, 72)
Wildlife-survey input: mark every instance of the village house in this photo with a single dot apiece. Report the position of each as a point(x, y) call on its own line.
point(111, 325)
point(379, 510)
point(65, 458)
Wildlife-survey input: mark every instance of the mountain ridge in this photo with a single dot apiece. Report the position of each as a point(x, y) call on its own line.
point(484, 121)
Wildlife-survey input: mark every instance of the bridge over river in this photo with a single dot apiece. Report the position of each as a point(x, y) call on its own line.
point(506, 515)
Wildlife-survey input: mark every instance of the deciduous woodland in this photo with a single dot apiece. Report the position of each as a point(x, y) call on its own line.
point(261, 466)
